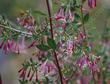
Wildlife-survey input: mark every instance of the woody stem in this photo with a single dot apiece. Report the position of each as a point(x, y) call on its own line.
point(52, 36)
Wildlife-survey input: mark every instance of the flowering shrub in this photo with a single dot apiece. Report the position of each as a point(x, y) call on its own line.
point(65, 53)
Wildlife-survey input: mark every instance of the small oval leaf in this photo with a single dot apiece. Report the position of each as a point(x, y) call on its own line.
point(51, 43)
point(43, 47)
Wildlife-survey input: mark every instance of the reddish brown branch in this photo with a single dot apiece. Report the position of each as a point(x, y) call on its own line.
point(50, 19)
point(52, 36)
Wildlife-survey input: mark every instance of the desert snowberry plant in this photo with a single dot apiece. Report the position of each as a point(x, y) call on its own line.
point(64, 51)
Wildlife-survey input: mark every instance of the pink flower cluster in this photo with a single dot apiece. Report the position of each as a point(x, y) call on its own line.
point(35, 71)
point(92, 3)
point(85, 62)
point(27, 73)
point(26, 21)
point(64, 17)
point(13, 46)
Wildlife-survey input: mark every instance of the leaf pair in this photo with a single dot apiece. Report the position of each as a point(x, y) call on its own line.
point(51, 45)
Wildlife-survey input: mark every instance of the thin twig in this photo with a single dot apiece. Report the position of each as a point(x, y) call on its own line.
point(82, 18)
point(16, 30)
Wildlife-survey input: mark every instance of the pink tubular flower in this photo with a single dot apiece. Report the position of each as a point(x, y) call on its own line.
point(81, 62)
point(6, 46)
point(60, 15)
point(69, 15)
point(92, 3)
point(32, 75)
point(69, 50)
point(43, 67)
point(29, 72)
point(19, 46)
point(80, 37)
point(93, 66)
point(22, 73)
point(1, 44)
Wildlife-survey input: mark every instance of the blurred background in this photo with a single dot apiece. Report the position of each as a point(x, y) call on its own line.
point(97, 28)
point(11, 8)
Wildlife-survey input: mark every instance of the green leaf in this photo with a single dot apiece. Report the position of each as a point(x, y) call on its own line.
point(77, 16)
point(39, 12)
point(46, 33)
point(86, 48)
point(35, 36)
point(23, 81)
point(75, 27)
point(51, 43)
point(85, 71)
point(83, 1)
point(43, 47)
point(62, 1)
point(86, 17)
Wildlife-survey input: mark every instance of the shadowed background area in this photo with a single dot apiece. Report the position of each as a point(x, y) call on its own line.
point(11, 63)
point(99, 20)
point(12, 8)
